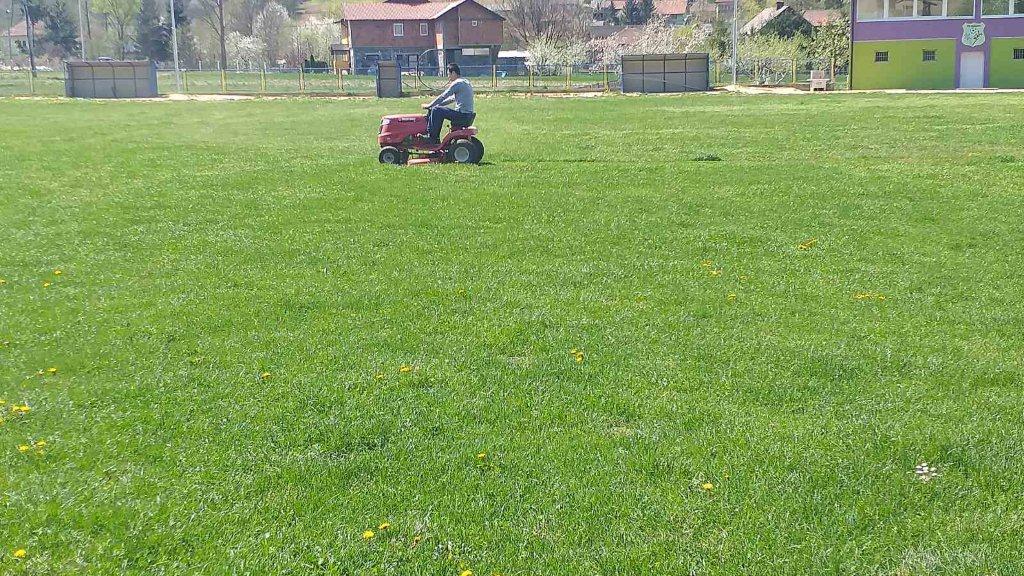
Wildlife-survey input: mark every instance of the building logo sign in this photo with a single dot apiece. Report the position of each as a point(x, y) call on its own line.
point(974, 34)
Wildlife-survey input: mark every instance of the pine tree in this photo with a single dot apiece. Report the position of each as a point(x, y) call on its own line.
point(60, 37)
point(646, 10)
point(631, 12)
point(152, 32)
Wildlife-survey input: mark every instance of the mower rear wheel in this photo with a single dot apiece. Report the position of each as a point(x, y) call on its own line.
point(462, 151)
point(392, 155)
point(479, 149)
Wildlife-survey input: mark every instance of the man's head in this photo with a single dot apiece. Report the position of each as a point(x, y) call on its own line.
point(454, 71)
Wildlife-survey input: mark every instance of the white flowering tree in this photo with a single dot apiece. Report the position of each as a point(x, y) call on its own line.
point(315, 36)
point(273, 26)
point(245, 51)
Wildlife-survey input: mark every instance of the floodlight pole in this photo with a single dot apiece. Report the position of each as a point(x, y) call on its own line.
point(735, 41)
point(81, 28)
point(174, 43)
point(31, 43)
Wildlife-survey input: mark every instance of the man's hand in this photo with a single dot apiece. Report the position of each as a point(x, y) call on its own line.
point(425, 106)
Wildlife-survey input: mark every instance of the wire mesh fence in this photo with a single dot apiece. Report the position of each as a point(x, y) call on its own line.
point(486, 79)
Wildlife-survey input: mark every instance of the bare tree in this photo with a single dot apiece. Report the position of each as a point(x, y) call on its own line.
point(212, 13)
point(121, 14)
point(557, 20)
point(242, 15)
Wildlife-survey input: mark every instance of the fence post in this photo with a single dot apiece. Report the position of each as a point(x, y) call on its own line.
point(184, 76)
point(31, 82)
point(337, 70)
point(794, 70)
point(607, 85)
point(263, 79)
point(223, 81)
point(568, 77)
point(529, 83)
point(302, 78)
point(494, 76)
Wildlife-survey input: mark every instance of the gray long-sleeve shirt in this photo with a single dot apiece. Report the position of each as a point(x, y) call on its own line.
point(461, 92)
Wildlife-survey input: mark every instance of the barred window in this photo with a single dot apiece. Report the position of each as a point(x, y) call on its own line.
point(1018, 53)
point(928, 56)
point(881, 56)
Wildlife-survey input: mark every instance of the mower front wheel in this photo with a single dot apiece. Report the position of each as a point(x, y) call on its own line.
point(479, 150)
point(462, 151)
point(392, 155)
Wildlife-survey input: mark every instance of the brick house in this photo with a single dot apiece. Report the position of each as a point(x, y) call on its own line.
point(432, 34)
point(674, 11)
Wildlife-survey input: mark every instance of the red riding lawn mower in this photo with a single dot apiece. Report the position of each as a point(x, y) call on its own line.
point(399, 142)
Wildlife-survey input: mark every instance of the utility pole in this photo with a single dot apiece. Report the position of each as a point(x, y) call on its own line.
point(10, 44)
point(81, 28)
point(174, 44)
point(28, 35)
point(735, 41)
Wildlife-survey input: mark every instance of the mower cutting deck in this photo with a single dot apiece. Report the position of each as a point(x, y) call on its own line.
point(399, 142)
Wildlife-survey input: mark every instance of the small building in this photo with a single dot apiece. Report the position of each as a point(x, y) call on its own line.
point(779, 19)
point(17, 36)
point(937, 44)
point(414, 33)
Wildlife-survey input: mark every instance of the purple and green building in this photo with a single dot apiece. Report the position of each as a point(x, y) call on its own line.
point(937, 44)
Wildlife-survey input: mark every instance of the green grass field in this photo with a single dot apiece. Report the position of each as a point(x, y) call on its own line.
point(241, 285)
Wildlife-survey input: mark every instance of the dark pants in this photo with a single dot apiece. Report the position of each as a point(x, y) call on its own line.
point(438, 114)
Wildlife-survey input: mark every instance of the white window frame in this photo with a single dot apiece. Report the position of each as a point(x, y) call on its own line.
point(914, 10)
point(398, 29)
point(477, 22)
point(424, 29)
point(1009, 11)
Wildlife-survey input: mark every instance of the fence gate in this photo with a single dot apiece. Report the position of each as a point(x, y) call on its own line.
point(389, 80)
point(111, 79)
point(650, 73)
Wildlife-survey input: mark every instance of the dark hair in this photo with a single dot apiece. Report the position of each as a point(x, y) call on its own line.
point(454, 68)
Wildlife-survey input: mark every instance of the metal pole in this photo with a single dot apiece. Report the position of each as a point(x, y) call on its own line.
point(174, 44)
point(81, 28)
point(735, 41)
point(607, 86)
point(31, 45)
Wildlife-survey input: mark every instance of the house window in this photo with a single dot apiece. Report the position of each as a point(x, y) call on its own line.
point(423, 29)
point(475, 22)
point(476, 51)
point(881, 56)
point(959, 8)
point(996, 7)
point(900, 8)
point(928, 8)
point(1018, 53)
point(870, 10)
point(399, 29)
point(928, 56)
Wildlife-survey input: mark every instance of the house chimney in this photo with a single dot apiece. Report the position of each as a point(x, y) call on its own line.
point(779, 4)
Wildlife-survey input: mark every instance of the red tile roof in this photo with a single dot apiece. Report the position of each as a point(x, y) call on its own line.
point(663, 7)
point(822, 17)
point(395, 10)
point(20, 29)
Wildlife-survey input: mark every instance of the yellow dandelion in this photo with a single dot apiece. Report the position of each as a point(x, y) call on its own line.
point(707, 486)
point(715, 273)
point(574, 351)
point(46, 284)
point(379, 376)
point(40, 443)
point(23, 409)
point(808, 244)
point(481, 456)
point(384, 526)
point(2, 401)
point(705, 263)
point(264, 375)
point(51, 371)
point(466, 573)
point(24, 448)
point(731, 297)
point(19, 553)
point(416, 540)
point(57, 272)
point(405, 368)
point(579, 357)
point(368, 535)
point(744, 277)
point(862, 295)
point(2, 281)
point(881, 296)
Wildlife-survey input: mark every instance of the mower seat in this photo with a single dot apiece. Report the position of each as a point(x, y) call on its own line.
point(459, 125)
